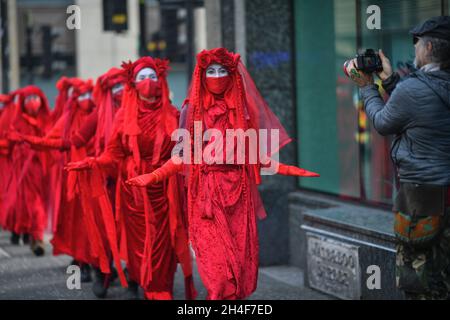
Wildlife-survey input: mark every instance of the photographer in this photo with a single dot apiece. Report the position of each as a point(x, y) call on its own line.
point(418, 114)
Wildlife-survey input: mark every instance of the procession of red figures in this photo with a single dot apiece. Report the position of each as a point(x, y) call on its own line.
point(129, 186)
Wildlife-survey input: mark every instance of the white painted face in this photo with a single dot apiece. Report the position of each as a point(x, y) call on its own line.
point(31, 97)
point(70, 91)
point(117, 88)
point(85, 96)
point(216, 71)
point(146, 73)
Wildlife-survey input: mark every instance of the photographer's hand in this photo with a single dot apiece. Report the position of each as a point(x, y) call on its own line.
point(360, 78)
point(387, 68)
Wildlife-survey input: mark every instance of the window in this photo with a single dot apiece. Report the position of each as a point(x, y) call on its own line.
point(335, 138)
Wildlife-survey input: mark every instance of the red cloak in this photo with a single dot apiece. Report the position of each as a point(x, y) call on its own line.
point(26, 203)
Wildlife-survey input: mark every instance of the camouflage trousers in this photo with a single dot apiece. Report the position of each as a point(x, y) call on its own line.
point(423, 272)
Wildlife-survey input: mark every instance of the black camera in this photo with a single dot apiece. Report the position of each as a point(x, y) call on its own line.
point(369, 62)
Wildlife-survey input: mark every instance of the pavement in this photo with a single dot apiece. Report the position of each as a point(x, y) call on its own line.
point(25, 276)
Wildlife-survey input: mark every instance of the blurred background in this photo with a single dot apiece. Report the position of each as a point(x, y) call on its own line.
point(294, 49)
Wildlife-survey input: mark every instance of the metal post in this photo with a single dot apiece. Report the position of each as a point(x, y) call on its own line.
point(142, 29)
point(13, 45)
point(190, 38)
point(3, 86)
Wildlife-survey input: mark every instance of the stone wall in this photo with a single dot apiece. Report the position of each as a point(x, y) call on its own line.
point(269, 45)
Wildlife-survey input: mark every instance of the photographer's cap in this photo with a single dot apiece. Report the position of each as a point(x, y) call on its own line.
point(436, 27)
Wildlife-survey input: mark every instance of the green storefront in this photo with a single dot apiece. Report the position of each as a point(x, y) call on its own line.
point(345, 219)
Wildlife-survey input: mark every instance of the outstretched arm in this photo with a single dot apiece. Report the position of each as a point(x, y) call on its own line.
point(171, 167)
point(46, 143)
point(112, 154)
point(287, 170)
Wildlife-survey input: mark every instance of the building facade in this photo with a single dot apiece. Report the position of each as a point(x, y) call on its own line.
point(338, 228)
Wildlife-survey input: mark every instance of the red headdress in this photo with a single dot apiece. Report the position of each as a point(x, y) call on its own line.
point(80, 87)
point(63, 86)
point(104, 101)
point(44, 114)
point(248, 108)
point(251, 111)
point(131, 101)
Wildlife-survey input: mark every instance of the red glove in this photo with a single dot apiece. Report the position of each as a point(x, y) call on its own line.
point(167, 170)
point(287, 170)
point(84, 164)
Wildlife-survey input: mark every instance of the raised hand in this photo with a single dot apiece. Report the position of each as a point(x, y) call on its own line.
point(387, 68)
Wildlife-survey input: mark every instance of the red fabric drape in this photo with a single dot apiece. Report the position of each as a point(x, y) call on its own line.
point(73, 227)
point(25, 204)
point(92, 186)
point(223, 200)
point(6, 117)
point(151, 218)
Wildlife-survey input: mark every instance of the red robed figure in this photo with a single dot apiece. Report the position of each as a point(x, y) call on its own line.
point(152, 218)
point(7, 114)
point(71, 236)
point(26, 203)
point(223, 199)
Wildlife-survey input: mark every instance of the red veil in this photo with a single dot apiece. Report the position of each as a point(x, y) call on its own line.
point(63, 86)
point(251, 111)
point(104, 102)
point(131, 102)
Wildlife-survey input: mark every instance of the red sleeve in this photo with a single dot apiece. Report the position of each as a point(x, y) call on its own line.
point(114, 151)
point(4, 143)
point(86, 132)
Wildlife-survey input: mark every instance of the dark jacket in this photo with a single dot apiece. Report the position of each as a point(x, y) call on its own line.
point(418, 113)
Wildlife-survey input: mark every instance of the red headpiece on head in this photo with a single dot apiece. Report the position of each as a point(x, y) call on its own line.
point(250, 109)
point(79, 87)
point(247, 109)
point(131, 101)
point(43, 117)
point(63, 85)
point(34, 90)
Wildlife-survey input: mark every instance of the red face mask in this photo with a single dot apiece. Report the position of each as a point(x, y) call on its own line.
point(218, 85)
point(86, 105)
point(148, 88)
point(32, 106)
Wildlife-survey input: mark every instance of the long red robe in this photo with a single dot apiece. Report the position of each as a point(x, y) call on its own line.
point(154, 229)
point(71, 236)
point(6, 118)
point(99, 221)
point(222, 220)
point(25, 207)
